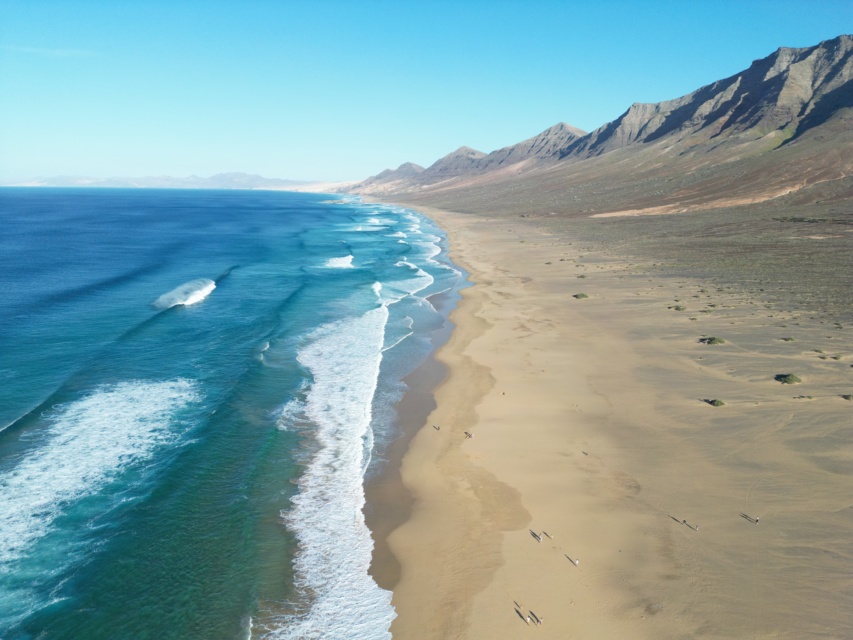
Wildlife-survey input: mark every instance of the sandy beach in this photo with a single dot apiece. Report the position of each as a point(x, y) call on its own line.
point(601, 491)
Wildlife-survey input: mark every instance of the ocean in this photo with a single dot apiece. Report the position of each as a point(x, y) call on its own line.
point(195, 385)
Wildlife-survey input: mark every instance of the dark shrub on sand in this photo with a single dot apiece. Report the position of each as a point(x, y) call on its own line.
point(786, 378)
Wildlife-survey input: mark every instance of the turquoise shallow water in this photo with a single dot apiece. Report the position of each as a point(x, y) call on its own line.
point(194, 385)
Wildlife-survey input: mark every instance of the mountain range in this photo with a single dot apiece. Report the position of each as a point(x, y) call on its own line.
point(782, 126)
point(233, 180)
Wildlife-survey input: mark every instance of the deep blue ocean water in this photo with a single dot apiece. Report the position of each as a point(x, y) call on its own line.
point(194, 385)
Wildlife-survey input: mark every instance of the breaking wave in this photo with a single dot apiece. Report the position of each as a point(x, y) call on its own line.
point(340, 263)
point(335, 545)
point(188, 293)
point(88, 443)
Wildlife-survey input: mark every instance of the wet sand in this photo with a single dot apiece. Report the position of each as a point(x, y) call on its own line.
point(591, 429)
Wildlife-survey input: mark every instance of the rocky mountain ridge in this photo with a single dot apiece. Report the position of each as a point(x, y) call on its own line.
point(774, 103)
point(778, 92)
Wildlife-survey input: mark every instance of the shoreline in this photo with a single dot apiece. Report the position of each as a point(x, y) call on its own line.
point(590, 425)
point(387, 500)
point(388, 503)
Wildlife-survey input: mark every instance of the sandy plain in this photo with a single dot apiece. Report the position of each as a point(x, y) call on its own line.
point(591, 429)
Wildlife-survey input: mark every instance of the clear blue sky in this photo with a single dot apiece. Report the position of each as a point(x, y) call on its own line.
point(341, 90)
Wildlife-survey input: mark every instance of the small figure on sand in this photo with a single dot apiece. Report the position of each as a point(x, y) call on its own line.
point(436, 427)
point(468, 434)
point(690, 526)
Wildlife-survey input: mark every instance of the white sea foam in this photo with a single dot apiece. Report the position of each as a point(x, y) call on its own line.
point(397, 234)
point(381, 221)
point(335, 545)
point(395, 290)
point(292, 416)
point(413, 220)
point(375, 224)
point(88, 443)
point(406, 331)
point(340, 263)
point(432, 250)
point(188, 293)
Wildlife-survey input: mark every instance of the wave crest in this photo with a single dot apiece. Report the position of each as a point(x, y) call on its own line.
point(340, 263)
point(186, 294)
point(88, 443)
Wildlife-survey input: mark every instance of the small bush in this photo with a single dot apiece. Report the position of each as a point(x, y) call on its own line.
point(847, 396)
point(712, 340)
point(580, 296)
point(679, 307)
point(715, 402)
point(786, 378)
point(788, 340)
